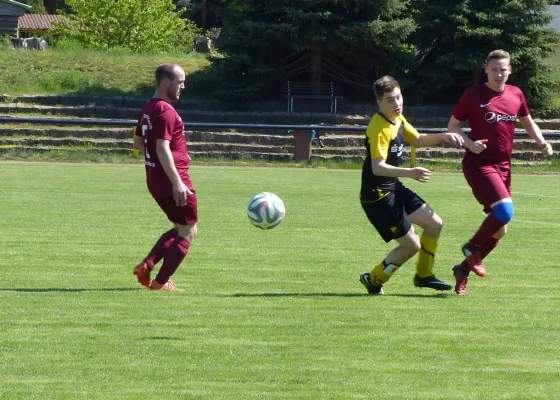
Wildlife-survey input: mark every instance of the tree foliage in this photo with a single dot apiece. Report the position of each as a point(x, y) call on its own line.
point(37, 6)
point(140, 25)
point(353, 41)
point(454, 37)
point(54, 6)
point(202, 12)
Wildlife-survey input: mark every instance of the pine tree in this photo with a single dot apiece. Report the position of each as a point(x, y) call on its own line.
point(266, 42)
point(37, 6)
point(202, 12)
point(53, 6)
point(454, 36)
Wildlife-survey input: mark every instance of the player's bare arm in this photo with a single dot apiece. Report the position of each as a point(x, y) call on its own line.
point(381, 168)
point(455, 126)
point(139, 143)
point(535, 132)
point(424, 140)
point(180, 190)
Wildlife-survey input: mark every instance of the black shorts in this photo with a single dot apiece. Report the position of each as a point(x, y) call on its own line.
point(389, 215)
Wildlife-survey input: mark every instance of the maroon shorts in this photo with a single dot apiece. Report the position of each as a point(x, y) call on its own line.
point(186, 215)
point(489, 183)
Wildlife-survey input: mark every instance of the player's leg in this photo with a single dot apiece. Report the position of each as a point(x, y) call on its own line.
point(144, 269)
point(391, 221)
point(485, 249)
point(409, 245)
point(462, 271)
point(185, 219)
point(432, 224)
point(175, 255)
point(158, 251)
point(493, 191)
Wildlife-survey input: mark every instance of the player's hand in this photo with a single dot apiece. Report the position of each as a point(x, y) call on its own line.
point(546, 148)
point(478, 146)
point(180, 192)
point(454, 139)
point(420, 174)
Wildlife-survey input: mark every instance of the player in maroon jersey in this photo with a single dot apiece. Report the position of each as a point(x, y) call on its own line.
point(491, 110)
point(159, 134)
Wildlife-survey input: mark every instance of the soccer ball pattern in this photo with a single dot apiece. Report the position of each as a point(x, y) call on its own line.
point(266, 210)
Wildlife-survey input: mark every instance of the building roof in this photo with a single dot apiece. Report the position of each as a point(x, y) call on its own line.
point(37, 22)
point(16, 4)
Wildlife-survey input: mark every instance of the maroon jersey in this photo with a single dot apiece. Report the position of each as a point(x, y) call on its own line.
point(159, 120)
point(491, 116)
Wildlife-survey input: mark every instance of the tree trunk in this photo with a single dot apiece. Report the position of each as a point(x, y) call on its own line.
point(315, 68)
point(204, 15)
point(476, 77)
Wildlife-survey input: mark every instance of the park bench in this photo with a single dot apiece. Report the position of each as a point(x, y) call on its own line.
point(307, 90)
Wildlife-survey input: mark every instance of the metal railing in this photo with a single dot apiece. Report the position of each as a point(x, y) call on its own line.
point(130, 122)
point(318, 129)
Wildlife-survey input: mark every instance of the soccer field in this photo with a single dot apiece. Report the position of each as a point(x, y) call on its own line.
point(274, 314)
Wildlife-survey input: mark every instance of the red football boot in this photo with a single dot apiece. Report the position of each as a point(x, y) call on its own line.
point(474, 260)
point(143, 274)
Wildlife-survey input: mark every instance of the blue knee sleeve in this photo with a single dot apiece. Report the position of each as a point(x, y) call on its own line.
point(504, 211)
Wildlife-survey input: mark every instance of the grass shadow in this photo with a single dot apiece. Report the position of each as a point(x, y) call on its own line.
point(47, 290)
point(433, 295)
point(162, 338)
point(272, 295)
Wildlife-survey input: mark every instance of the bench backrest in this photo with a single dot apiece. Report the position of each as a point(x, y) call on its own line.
point(307, 88)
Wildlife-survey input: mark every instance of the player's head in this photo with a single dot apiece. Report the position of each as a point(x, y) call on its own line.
point(170, 80)
point(497, 69)
point(388, 96)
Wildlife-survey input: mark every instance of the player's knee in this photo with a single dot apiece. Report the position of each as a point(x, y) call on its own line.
point(436, 224)
point(504, 211)
point(187, 231)
point(413, 246)
point(501, 233)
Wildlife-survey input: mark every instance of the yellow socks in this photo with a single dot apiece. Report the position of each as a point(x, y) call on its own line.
point(426, 256)
point(381, 273)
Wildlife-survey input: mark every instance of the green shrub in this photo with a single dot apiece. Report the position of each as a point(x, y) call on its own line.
point(5, 42)
point(67, 42)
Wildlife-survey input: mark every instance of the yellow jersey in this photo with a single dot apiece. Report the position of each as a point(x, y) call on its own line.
point(384, 139)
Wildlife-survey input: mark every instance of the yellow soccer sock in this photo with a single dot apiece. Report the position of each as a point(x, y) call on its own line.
point(381, 273)
point(426, 256)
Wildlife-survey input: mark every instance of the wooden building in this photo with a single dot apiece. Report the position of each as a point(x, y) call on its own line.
point(10, 11)
point(35, 25)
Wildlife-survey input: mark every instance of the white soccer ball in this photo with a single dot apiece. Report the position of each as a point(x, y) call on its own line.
point(266, 210)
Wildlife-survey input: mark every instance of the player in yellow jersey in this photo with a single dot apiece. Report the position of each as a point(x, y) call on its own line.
point(389, 205)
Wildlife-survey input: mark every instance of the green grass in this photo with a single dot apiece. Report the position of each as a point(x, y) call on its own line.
point(65, 153)
point(78, 71)
point(265, 314)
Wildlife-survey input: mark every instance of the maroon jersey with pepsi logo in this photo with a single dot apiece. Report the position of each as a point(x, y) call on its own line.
point(491, 115)
point(159, 120)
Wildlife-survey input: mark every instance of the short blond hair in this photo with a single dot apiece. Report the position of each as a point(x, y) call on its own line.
point(497, 55)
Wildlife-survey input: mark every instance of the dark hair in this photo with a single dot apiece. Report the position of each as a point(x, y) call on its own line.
point(384, 85)
point(497, 55)
point(166, 70)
